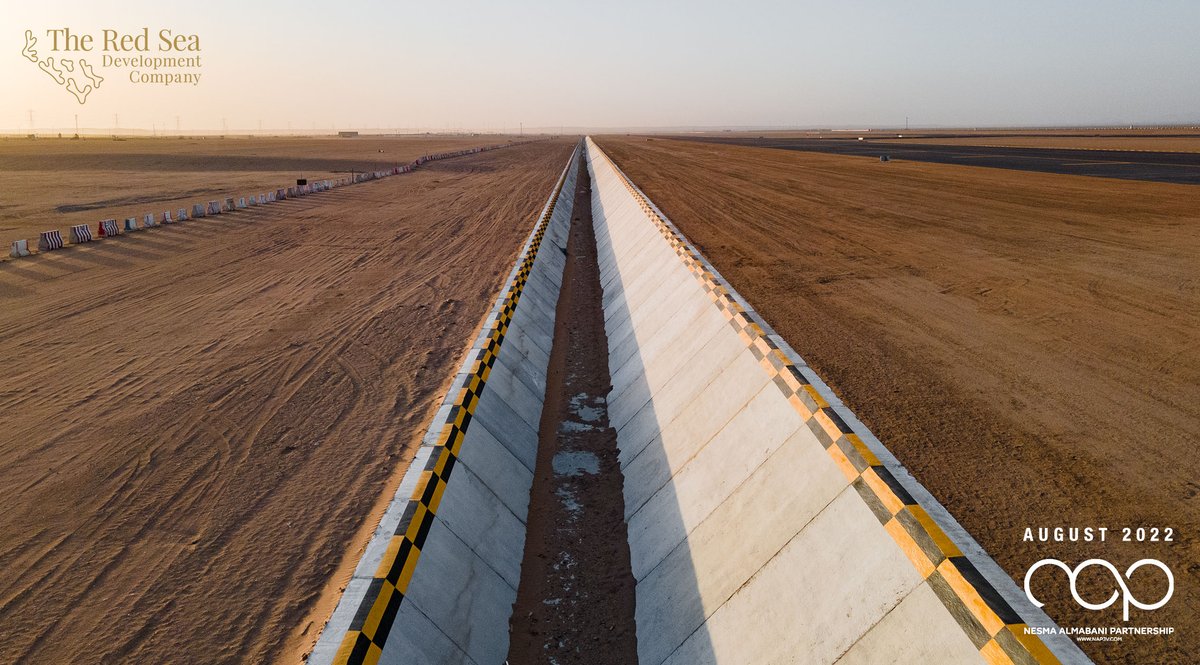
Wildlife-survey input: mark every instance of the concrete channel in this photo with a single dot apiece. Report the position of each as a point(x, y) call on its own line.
point(755, 519)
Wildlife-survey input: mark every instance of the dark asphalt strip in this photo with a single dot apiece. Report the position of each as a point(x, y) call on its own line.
point(1171, 167)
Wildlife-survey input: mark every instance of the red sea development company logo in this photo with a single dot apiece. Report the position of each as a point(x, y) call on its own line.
point(76, 75)
point(72, 58)
point(1122, 592)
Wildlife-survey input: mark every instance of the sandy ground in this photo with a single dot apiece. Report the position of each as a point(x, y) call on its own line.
point(1027, 344)
point(197, 423)
point(54, 183)
point(575, 602)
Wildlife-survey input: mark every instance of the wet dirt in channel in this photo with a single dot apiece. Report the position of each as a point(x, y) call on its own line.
point(575, 604)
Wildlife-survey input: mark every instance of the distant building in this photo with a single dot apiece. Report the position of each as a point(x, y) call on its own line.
point(348, 135)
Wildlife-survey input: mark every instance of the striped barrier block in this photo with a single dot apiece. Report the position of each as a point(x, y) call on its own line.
point(131, 224)
point(214, 208)
point(150, 223)
point(280, 194)
point(166, 217)
point(229, 205)
point(262, 199)
point(108, 228)
point(197, 210)
point(19, 248)
point(81, 233)
point(148, 219)
point(251, 200)
point(181, 216)
point(50, 240)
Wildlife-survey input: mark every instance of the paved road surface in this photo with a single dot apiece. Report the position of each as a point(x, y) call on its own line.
point(1174, 167)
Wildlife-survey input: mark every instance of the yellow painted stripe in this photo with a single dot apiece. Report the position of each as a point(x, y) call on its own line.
point(947, 546)
point(881, 490)
point(971, 598)
point(1033, 644)
point(346, 647)
point(868, 456)
point(994, 655)
point(371, 625)
point(389, 556)
point(910, 548)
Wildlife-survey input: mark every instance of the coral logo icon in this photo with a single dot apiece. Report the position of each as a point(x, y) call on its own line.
point(76, 75)
point(1122, 592)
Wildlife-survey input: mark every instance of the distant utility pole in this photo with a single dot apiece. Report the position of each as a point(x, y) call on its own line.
point(177, 124)
point(906, 123)
point(76, 125)
point(522, 128)
point(31, 122)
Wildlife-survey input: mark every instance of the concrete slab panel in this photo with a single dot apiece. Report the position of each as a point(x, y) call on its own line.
point(483, 523)
point(462, 595)
point(891, 640)
point(834, 580)
point(782, 496)
point(509, 428)
point(497, 468)
point(420, 642)
point(683, 492)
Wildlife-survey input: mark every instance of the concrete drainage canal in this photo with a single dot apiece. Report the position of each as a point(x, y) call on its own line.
point(630, 466)
point(575, 602)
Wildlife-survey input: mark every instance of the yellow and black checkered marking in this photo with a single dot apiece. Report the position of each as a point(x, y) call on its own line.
point(364, 641)
point(986, 618)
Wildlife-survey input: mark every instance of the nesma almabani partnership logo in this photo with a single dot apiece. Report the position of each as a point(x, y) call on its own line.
point(1122, 592)
point(75, 60)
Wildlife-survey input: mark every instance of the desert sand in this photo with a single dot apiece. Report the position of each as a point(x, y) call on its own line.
point(1025, 343)
point(198, 423)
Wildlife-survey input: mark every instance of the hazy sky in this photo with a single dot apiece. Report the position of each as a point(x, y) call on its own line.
point(614, 63)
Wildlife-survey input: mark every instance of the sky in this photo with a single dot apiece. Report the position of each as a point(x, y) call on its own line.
point(458, 64)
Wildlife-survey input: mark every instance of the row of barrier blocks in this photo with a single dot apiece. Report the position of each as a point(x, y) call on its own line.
point(51, 240)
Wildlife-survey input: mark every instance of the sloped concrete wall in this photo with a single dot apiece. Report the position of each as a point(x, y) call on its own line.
point(766, 523)
point(438, 579)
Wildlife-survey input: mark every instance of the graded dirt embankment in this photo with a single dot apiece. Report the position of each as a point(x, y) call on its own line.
point(54, 183)
point(1024, 343)
point(196, 422)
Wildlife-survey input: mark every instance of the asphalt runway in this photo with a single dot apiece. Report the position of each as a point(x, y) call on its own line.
point(1173, 167)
